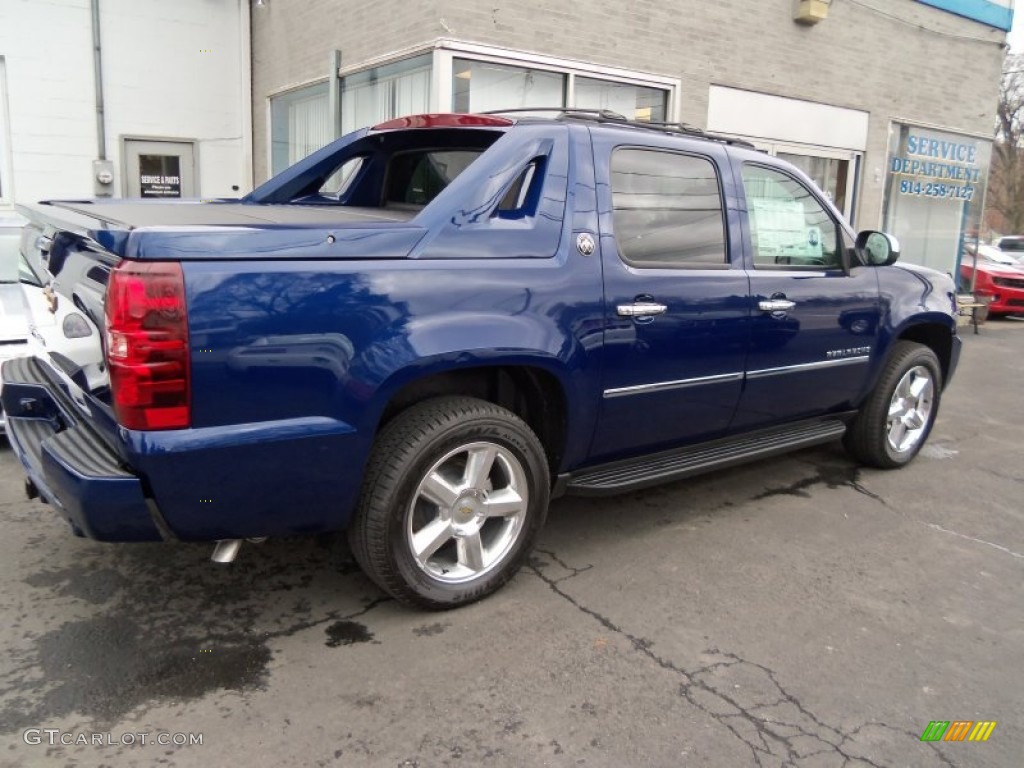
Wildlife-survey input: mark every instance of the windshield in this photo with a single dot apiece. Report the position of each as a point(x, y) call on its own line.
point(993, 254)
point(1012, 245)
point(14, 267)
point(10, 267)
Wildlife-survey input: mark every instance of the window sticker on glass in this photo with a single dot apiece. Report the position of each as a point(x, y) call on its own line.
point(782, 230)
point(788, 226)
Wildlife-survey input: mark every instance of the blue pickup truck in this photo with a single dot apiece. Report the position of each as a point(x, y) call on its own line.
point(420, 334)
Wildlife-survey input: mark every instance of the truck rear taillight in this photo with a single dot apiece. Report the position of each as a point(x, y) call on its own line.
point(147, 345)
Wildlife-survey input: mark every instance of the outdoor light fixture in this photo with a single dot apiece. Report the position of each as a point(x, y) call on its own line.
point(810, 11)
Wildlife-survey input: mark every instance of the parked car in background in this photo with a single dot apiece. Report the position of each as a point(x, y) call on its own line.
point(999, 281)
point(1012, 244)
point(13, 311)
point(35, 321)
point(59, 327)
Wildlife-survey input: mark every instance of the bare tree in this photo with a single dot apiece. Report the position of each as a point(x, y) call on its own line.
point(1006, 185)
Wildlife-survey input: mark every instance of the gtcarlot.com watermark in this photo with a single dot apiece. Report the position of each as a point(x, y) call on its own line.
point(54, 737)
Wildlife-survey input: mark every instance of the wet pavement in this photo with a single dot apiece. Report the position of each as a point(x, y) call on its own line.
point(796, 612)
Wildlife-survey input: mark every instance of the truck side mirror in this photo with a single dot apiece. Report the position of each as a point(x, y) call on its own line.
point(877, 249)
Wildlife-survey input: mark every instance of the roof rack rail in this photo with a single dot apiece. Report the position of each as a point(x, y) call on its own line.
point(607, 116)
point(596, 114)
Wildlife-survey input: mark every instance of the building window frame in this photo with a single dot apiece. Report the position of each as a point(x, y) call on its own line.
point(289, 92)
point(444, 51)
point(855, 159)
point(6, 173)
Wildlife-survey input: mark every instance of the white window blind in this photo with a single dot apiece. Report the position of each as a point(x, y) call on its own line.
point(309, 127)
point(380, 94)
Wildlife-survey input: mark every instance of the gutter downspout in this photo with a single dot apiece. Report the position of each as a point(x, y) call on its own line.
point(97, 53)
point(245, 65)
point(102, 168)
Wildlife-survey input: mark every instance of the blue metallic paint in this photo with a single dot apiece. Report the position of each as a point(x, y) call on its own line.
point(410, 319)
point(299, 343)
point(106, 508)
point(704, 332)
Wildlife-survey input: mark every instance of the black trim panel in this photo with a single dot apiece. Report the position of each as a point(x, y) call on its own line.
point(679, 463)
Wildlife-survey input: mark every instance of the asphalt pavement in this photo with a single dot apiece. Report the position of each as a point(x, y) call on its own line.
point(799, 612)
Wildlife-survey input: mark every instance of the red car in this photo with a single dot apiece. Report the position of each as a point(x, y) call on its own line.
point(1000, 278)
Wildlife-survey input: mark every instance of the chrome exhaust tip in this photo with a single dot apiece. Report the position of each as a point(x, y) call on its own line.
point(226, 550)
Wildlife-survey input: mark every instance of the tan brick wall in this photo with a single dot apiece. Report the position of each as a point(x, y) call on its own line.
point(890, 58)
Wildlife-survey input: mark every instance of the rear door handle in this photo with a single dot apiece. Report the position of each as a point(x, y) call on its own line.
point(776, 305)
point(641, 309)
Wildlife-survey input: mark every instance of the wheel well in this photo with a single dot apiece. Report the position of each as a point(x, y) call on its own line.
point(533, 394)
point(937, 337)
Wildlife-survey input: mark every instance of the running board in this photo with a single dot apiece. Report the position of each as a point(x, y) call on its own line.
point(654, 469)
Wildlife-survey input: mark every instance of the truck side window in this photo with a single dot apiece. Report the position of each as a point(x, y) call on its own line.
point(341, 178)
point(788, 226)
point(516, 197)
point(667, 209)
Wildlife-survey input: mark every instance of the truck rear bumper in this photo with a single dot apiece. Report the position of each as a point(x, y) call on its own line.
point(71, 468)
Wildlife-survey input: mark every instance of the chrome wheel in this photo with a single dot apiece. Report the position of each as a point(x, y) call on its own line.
point(467, 512)
point(910, 409)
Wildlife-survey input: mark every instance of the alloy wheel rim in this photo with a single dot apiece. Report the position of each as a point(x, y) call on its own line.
point(467, 512)
point(910, 409)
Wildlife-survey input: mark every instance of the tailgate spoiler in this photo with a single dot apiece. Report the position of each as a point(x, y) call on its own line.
point(48, 219)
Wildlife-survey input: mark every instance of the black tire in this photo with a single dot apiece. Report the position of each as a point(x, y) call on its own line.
point(434, 439)
point(868, 437)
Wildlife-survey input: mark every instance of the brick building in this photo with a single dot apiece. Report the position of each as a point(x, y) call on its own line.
point(888, 104)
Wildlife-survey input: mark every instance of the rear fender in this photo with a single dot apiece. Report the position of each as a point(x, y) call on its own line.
point(513, 341)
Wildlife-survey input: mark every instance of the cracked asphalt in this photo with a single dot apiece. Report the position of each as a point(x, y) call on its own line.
point(798, 612)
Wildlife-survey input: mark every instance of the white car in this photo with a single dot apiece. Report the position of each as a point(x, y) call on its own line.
point(33, 320)
point(1013, 245)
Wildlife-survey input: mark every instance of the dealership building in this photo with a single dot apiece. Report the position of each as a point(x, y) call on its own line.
point(888, 104)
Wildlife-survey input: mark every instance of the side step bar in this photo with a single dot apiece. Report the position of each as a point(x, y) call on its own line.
point(680, 463)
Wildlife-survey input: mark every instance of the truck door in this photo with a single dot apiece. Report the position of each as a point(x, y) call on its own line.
point(676, 293)
point(814, 325)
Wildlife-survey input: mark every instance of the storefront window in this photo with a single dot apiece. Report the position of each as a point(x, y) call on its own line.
point(934, 189)
point(480, 86)
point(381, 93)
point(299, 125)
point(632, 101)
point(5, 184)
point(829, 173)
point(301, 120)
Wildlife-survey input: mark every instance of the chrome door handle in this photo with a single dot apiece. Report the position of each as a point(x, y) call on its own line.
point(776, 305)
point(641, 309)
